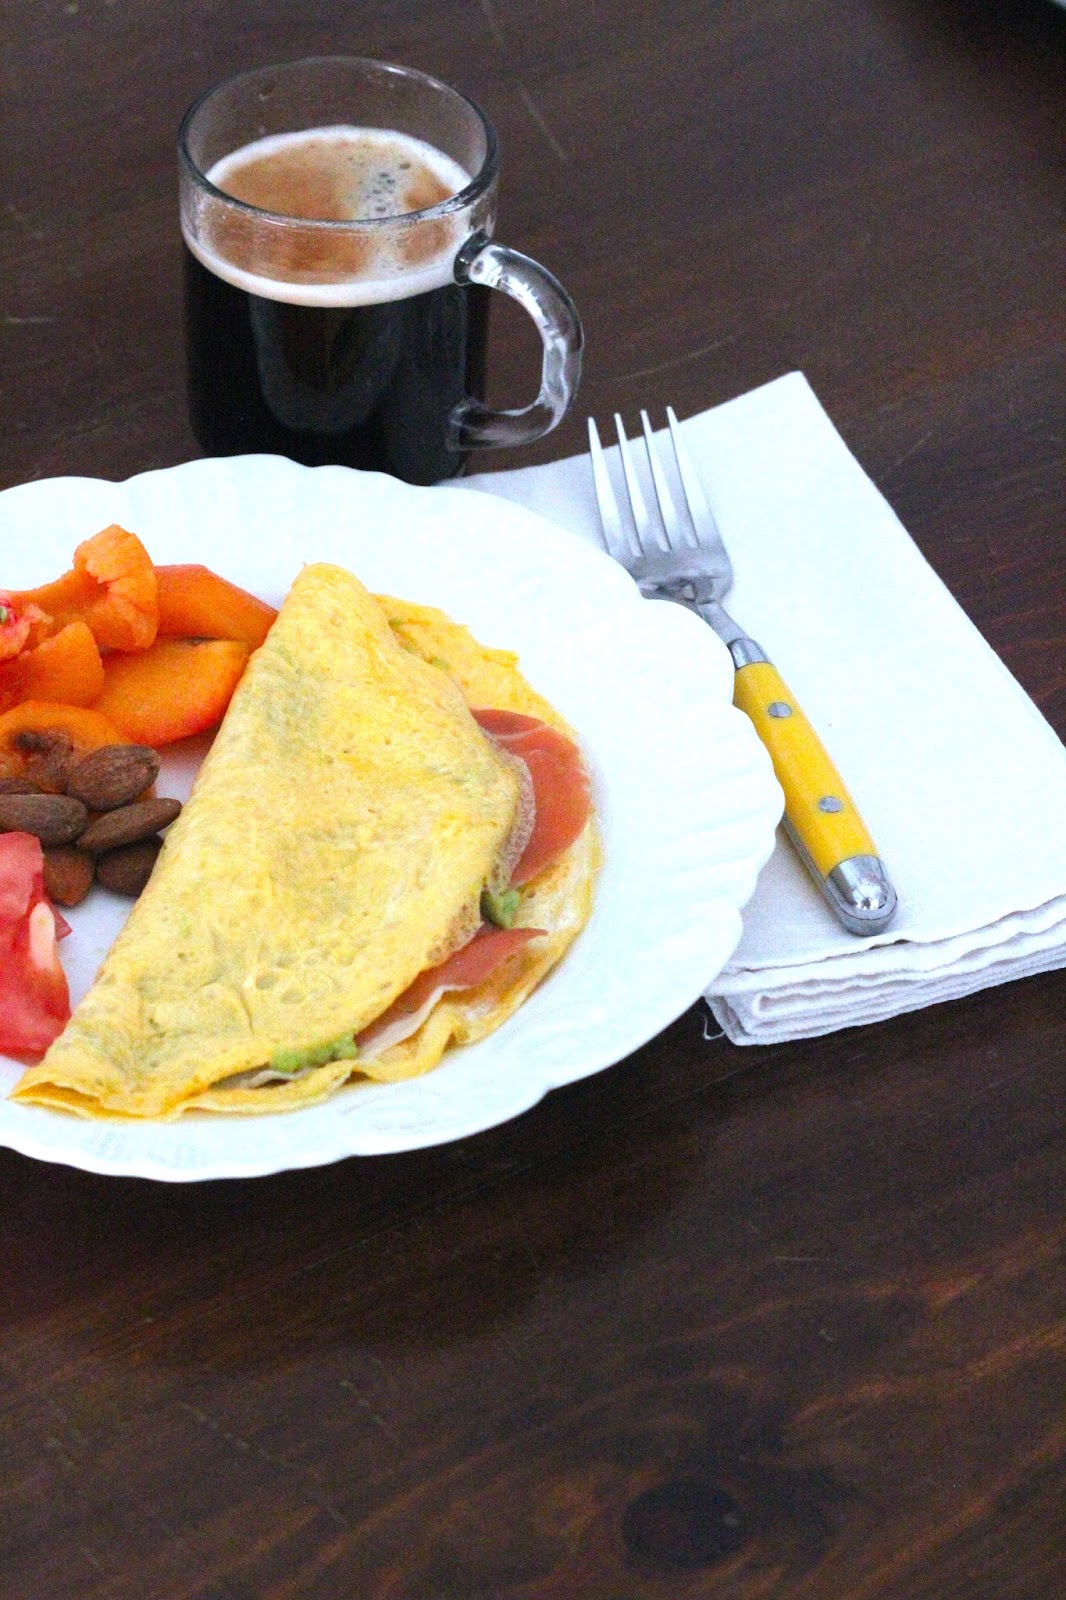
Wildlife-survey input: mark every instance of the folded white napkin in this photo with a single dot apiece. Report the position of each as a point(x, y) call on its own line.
point(959, 778)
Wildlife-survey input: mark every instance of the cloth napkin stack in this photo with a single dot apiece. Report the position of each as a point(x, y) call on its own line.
point(961, 781)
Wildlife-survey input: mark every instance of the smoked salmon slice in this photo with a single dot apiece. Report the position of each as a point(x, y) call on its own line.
point(560, 785)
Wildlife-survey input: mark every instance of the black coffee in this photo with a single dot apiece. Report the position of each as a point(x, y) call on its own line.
point(361, 346)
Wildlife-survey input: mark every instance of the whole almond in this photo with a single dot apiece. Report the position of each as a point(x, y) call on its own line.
point(38, 741)
point(68, 874)
point(54, 818)
point(18, 786)
point(127, 869)
point(49, 753)
point(47, 775)
point(127, 824)
point(113, 776)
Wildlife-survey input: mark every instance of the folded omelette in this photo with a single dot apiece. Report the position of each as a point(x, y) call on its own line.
point(339, 841)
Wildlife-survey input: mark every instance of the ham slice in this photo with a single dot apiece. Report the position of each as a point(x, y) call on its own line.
point(465, 968)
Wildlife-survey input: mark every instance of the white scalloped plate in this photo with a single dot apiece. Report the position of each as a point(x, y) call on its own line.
point(684, 791)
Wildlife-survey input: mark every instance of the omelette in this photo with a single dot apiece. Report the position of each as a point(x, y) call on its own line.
point(349, 831)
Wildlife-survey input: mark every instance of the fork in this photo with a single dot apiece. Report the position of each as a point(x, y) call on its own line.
point(683, 558)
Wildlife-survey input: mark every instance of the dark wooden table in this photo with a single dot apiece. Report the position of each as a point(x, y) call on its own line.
point(738, 1324)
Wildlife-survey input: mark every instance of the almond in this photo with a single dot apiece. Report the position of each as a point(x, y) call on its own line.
point(128, 824)
point(54, 818)
point(127, 869)
point(113, 775)
point(68, 874)
point(39, 741)
point(49, 753)
point(46, 775)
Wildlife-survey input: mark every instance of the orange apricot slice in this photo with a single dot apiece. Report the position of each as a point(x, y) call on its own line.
point(111, 587)
point(65, 668)
point(15, 622)
point(195, 603)
point(60, 601)
point(86, 729)
point(126, 614)
point(175, 688)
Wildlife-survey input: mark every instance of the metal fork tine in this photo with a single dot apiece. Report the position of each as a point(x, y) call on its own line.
point(646, 530)
point(703, 518)
point(662, 488)
point(616, 534)
point(682, 531)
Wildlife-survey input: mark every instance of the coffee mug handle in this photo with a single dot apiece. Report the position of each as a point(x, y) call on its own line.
point(476, 425)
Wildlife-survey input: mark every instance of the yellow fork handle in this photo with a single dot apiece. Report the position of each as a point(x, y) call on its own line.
point(822, 818)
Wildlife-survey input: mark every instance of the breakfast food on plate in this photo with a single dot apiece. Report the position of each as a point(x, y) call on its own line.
point(34, 1002)
point(195, 603)
point(97, 668)
point(35, 726)
point(175, 688)
point(156, 650)
point(87, 809)
point(111, 590)
point(366, 873)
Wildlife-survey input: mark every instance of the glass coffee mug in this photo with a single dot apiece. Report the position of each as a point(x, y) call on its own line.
point(337, 216)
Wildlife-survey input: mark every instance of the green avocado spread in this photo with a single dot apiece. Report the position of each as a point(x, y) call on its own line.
point(500, 908)
point(315, 1055)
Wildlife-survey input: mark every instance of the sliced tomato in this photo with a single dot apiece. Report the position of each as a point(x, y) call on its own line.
point(560, 785)
point(486, 952)
point(34, 1000)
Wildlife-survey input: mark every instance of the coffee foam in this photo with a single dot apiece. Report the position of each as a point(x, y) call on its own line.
point(335, 174)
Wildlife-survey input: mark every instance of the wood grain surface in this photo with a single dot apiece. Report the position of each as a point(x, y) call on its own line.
point(783, 1322)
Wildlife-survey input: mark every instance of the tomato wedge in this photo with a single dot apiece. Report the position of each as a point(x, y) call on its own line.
point(34, 1000)
point(560, 785)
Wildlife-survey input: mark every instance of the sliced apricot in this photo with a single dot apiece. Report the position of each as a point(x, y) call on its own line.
point(14, 627)
point(126, 614)
point(86, 729)
point(19, 625)
point(195, 603)
point(66, 668)
point(175, 688)
point(112, 588)
point(61, 600)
